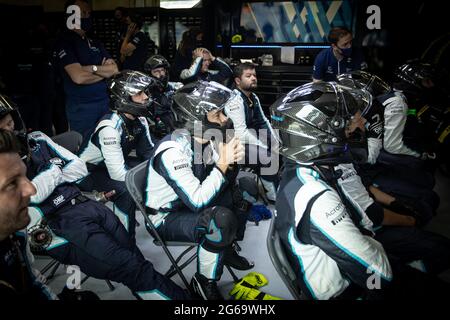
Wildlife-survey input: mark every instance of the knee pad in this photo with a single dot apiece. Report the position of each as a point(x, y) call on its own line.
point(222, 227)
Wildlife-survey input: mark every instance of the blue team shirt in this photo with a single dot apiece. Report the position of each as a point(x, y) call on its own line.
point(72, 48)
point(327, 67)
point(137, 59)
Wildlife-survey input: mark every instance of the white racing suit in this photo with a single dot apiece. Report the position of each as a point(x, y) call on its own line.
point(190, 199)
point(107, 155)
point(255, 131)
point(328, 244)
point(390, 169)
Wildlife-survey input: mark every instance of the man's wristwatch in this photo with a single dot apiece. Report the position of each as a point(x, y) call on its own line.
point(94, 68)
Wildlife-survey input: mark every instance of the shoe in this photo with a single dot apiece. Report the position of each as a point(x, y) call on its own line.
point(205, 288)
point(233, 259)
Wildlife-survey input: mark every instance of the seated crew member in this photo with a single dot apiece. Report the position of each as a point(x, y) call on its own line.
point(107, 151)
point(425, 87)
point(340, 58)
point(386, 121)
point(330, 243)
point(253, 128)
point(73, 229)
point(18, 279)
point(395, 111)
point(191, 185)
point(200, 68)
point(158, 67)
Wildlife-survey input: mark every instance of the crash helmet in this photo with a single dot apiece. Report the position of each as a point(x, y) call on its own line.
point(414, 72)
point(359, 79)
point(7, 106)
point(158, 61)
point(193, 102)
point(311, 121)
point(127, 84)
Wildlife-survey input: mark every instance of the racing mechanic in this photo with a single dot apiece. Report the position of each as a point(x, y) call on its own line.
point(255, 130)
point(385, 123)
point(200, 68)
point(190, 191)
point(158, 67)
point(107, 151)
point(331, 242)
point(73, 229)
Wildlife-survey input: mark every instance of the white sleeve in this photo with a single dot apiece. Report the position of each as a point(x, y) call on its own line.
point(74, 169)
point(176, 85)
point(395, 114)
point(193, 70)
point(234, 110)
point(175, 167)
point(351, 183)
point(333, 230)
point(374, 147)
point(45, 183)
point(109, 141)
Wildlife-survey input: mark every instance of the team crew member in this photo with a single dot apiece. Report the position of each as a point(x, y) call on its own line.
point(158, 68)
point(125, 128)
point(191, 183)
point(75, 230)
point(329, 238)
point(85, 65)
point(200, 68)
point(340, 58)
point(17, 277)
point(253, 128)
point(388, 166)
point(135, 47)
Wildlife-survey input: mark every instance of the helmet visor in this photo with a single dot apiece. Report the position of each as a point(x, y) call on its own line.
point(197, 99)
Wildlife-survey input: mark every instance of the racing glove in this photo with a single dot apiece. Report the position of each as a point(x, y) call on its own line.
point(248, 283)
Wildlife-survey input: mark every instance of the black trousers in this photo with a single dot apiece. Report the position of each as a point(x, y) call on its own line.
point(403, 246)
point(99, 244)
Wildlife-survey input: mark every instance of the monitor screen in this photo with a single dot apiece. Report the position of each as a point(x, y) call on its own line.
point(294, 21)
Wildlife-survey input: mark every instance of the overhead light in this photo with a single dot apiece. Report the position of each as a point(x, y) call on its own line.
point(178, 4)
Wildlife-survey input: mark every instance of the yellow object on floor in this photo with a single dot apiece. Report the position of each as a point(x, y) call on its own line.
point(246, 288)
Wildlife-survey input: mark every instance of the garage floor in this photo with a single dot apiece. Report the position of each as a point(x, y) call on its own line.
point(253, 247)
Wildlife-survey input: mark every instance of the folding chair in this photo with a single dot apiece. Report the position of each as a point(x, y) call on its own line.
point(54, 265)
point(280, 261)
point(135, 182)
point(261, 190)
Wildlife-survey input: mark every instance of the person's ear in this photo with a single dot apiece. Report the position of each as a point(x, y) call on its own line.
point(237, 80)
